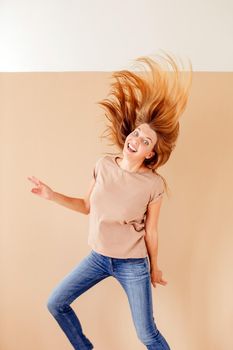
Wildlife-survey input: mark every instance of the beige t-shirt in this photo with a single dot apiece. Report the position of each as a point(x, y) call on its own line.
point(118, 206)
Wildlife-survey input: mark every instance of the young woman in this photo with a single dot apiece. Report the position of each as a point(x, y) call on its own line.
point(124, 199)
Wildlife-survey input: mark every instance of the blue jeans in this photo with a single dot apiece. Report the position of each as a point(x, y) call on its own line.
point(134, 276)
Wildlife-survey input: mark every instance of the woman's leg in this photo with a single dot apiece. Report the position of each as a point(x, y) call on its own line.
point(134, 276)
point(85, 275)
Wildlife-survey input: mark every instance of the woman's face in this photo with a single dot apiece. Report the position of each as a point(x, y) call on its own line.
point(142, 141)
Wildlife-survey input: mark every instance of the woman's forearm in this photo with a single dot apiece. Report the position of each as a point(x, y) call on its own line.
point(77, 204)
point(151, 241)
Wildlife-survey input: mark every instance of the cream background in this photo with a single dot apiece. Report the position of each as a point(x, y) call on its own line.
point(50, 128)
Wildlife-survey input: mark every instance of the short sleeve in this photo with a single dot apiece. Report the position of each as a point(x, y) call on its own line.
point(96, 167)
point(157, 190)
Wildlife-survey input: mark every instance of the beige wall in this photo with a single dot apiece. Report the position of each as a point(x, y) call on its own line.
point(50, 128)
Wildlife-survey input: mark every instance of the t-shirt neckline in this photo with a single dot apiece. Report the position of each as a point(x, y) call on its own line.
point(130, 172)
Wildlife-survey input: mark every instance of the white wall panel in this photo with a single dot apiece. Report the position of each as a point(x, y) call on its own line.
point(89, 35)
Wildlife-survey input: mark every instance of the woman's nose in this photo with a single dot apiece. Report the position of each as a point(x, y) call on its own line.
point(136, 142)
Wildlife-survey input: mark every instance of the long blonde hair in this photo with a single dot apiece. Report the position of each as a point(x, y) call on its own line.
point(151, 96)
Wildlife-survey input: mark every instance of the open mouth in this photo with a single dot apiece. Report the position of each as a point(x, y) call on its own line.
point(131, 148)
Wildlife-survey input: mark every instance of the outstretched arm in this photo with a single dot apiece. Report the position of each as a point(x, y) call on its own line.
point(77, 204)
point(44, 191)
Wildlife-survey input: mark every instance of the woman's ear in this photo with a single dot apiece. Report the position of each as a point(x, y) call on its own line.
point(152, 153)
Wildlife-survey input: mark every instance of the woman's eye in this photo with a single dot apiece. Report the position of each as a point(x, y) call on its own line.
point(136, 132)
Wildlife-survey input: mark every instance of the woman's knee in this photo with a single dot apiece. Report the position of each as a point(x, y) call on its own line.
point(54, 305)
point(153, 340)
point(58, 303)
point(147, 335)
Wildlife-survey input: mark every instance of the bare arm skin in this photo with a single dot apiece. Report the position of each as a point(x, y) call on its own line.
point(151, 240)
point(81, 205)
point(77, 204)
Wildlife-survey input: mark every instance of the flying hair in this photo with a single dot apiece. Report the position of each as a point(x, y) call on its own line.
point(155, 92)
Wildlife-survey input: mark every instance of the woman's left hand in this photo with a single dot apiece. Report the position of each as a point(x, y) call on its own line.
point(156, 277)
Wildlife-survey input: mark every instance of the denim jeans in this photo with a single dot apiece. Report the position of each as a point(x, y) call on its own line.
point(133, 274)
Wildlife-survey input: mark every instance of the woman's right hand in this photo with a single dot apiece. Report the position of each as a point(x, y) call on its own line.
point(41, 189)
